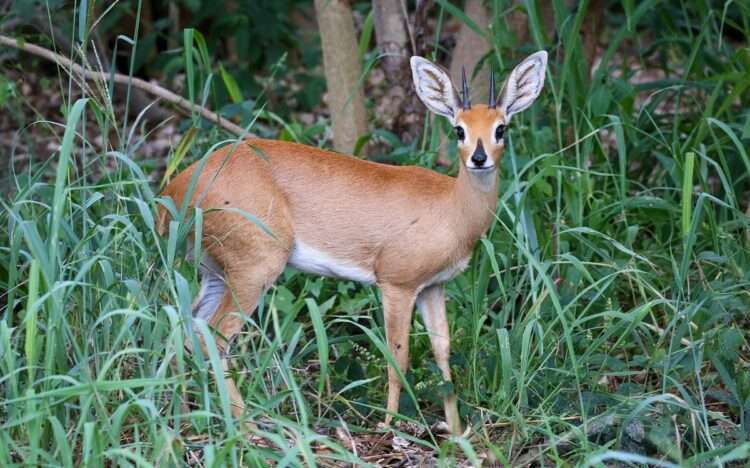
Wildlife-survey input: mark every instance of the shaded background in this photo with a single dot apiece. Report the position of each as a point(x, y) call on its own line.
point(605, 313)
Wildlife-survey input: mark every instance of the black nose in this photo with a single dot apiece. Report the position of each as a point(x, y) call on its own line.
point(479, 157)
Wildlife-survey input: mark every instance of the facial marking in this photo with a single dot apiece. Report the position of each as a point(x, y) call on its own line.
point(460, 133)
point(479, 158)
point(499, 131)
point(481, 149)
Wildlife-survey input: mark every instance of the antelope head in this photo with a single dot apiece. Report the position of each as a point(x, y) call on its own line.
point(480, 128)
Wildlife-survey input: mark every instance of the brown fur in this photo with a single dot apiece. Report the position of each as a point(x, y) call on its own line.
point(404, 224)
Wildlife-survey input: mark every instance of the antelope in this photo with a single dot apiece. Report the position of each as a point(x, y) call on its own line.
point(406, 229)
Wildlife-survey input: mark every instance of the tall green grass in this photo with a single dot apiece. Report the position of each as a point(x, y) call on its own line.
point(603, 318)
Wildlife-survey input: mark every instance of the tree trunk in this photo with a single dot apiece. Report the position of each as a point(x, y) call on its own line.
point(590, 31)
point(399, 109)
point(174, 25)
point(342, 71)
point(393, 50)
point(469, 50)
point(518, 23)
point(391, 35)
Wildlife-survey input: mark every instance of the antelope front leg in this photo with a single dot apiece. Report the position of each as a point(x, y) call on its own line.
point(431, 304)
point(398, 305)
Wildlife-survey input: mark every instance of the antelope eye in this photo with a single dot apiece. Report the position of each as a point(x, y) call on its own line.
point(460, 134)
point(499, 132)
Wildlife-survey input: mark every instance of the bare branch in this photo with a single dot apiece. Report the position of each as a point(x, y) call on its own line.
point(155, 90)
point(342, 69)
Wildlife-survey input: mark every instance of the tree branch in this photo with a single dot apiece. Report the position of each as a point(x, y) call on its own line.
point(182, 104)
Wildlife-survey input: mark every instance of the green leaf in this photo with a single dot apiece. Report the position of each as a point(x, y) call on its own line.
point(506, 361)
point(322, 340)
point(186, 142)
point(232, 88)
point(687, 193)
point(366, 36)
point(32, 328)
point(187, 44)
point(458, 13)
point(446, 389)
point(60, 197)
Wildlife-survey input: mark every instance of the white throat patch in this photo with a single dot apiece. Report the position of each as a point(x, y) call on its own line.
point(483, 180)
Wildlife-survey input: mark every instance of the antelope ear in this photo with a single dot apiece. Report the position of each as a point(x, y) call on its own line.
point(434, 88)
point(524, 84)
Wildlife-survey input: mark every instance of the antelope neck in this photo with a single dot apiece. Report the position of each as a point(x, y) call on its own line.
point(476, 199)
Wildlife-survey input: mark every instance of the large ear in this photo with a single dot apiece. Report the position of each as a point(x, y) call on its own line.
point(524, 84)
point(434, 88)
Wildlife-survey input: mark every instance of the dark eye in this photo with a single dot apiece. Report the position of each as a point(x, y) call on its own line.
point(499, 132)
point(460, 134)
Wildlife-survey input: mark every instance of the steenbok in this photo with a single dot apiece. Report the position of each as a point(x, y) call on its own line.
point(406, 229)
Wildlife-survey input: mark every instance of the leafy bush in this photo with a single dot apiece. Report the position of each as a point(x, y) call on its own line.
point(603, 317)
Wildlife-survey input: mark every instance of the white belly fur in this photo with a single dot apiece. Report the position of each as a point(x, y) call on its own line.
point(312, 260)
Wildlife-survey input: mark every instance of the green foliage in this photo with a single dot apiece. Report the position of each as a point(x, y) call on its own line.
point(603, 318)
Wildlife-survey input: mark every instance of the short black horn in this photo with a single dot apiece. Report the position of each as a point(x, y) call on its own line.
point(491, 103)
point(467, 101)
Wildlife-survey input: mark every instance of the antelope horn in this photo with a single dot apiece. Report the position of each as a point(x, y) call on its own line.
point(492, 103)
point(467, 101)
